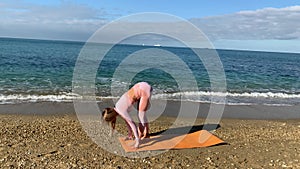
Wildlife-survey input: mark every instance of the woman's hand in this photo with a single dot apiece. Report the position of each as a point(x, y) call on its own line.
point(145, 136)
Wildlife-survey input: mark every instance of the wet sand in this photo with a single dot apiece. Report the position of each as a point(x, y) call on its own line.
point(165, 108)
point(57, 140)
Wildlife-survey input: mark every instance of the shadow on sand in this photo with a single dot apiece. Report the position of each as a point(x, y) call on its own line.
point(187, 129)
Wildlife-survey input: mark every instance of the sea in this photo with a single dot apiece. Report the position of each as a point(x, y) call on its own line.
point(42, 71)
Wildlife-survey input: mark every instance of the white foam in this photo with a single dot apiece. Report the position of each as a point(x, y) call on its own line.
point(246, 98)
point(227, 94)
point(192, 96)
point(65, 97)
point(264, 95)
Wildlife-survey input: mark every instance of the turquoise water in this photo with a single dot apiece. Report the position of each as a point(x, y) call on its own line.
point(40, 70)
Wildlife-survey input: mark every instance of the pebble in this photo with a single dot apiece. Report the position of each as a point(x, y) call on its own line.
point(72, 155)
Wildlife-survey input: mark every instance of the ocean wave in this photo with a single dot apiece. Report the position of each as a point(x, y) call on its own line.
point(17, 98)
point(246, 98)
point(267, 98)
point(227, 94)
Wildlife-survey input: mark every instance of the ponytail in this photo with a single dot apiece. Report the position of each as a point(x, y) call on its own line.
point(109, 114)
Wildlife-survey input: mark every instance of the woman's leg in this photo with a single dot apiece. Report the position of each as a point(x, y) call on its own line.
point(122, 107)
point(133, 128)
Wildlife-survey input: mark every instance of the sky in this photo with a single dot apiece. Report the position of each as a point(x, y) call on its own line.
point(231, 24)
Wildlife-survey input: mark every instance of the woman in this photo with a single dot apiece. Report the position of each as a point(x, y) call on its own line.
point(140, 93)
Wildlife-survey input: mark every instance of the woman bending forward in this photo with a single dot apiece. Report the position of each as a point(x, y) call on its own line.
point(140, 93)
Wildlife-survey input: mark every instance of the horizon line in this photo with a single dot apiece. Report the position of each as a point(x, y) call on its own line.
point(162, 46)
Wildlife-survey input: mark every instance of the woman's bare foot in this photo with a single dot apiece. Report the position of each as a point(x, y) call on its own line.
point(129, 137)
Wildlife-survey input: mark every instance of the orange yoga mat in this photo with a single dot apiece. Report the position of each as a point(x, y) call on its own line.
point(201, 138)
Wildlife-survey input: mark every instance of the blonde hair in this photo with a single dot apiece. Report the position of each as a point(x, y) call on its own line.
point(109, 114)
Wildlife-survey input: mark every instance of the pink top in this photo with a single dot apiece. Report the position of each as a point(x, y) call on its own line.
point(142, 92)
point(139, 92)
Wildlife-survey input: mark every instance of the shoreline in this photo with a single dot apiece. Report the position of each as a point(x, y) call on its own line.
point(168, 108)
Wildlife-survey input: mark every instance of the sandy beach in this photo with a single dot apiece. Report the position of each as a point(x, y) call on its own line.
point(59, 141)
